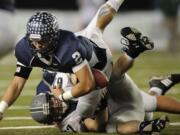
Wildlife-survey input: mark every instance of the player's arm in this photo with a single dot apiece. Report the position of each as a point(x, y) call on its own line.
point(11, 93)
point(14, 89)
point(86, 82)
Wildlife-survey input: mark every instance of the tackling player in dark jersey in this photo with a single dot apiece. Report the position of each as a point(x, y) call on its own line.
point(47, 46)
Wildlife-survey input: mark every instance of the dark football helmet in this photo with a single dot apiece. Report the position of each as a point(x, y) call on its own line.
point(46, 109)
point(43, 27)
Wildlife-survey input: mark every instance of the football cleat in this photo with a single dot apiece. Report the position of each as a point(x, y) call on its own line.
point(161, 84)
point(154, 127)
point(134, 42)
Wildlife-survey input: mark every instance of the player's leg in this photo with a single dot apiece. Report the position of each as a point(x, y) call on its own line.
point(168, 104)
point(159, 86)
point(135, 126)
point(153, 126)
point(134, 43)
point(87, 104)
point(125, 106)
point(97, 123)
point(105, 14)
point(160, 103)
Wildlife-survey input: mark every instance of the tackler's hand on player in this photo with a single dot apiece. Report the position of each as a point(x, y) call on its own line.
point(134, 42)
point(57, 92)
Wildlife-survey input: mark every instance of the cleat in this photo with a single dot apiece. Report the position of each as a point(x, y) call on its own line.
point(154, 127)
point(159, 124)
point(161, 84)
point(134, 42)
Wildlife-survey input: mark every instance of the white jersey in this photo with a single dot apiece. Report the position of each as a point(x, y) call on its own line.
point(64, 81)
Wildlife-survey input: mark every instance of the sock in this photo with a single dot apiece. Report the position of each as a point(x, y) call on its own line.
point(115, 4)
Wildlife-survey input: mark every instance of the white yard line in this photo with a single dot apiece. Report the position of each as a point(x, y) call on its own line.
point(17, 118)
point(18, 107)
point(175, 124)
point(26, 127)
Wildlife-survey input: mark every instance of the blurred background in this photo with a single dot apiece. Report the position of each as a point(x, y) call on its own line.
point(158, 19)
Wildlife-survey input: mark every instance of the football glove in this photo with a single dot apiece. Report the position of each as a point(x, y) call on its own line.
point(134, 43)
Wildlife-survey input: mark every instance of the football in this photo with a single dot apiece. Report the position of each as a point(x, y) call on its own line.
point(100, 78)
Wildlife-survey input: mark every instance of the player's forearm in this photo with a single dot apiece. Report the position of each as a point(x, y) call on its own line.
point(77, 91)
point(10, 96)
point(8, 99)
point(11, 93)
point(82, 89)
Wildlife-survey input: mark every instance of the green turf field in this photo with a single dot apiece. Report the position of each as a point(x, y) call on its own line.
point(149, 64)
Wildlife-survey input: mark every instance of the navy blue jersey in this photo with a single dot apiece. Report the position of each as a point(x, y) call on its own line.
point(70, 52)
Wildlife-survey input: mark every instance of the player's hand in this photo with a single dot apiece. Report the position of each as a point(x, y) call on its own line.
point(57, 91)
point(1, 115)
point(134, 43)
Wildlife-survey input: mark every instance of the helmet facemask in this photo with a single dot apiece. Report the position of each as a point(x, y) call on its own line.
point(46, 109)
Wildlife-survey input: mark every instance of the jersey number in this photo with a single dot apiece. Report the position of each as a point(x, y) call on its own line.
point(69, 128)
point(77, 57)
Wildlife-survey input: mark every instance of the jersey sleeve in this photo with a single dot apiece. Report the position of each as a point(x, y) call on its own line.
point(22, 71)
point(71, 54)
point(23, 57)
point(78, 58)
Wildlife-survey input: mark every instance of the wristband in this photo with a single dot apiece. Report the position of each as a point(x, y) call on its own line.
point(66, 96)
point(3, 106)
